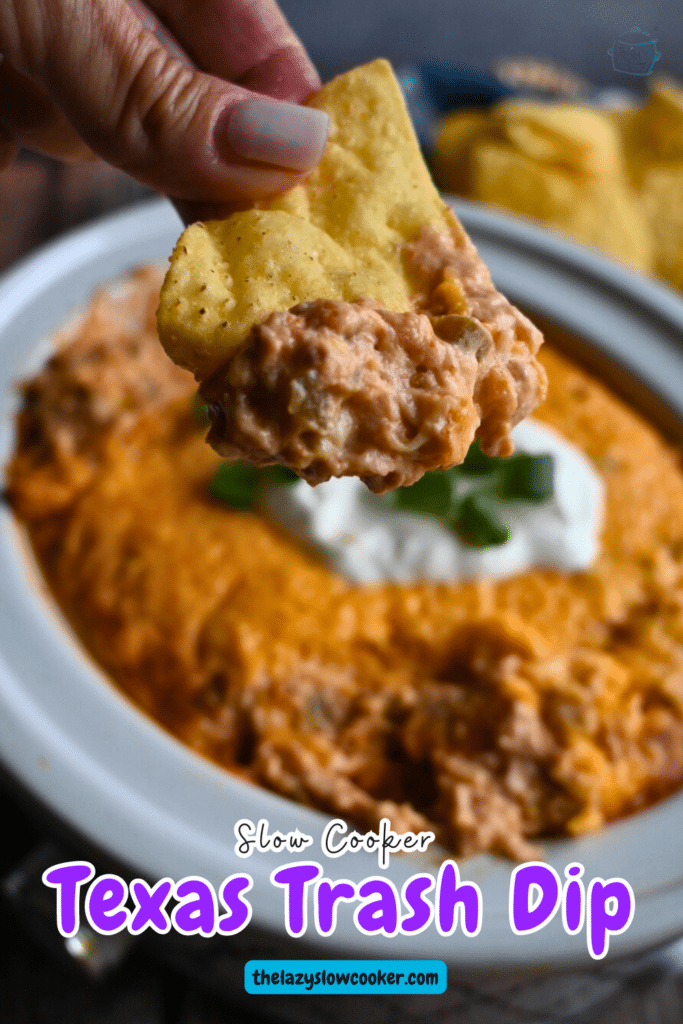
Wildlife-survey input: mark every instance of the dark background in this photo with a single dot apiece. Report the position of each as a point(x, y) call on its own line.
point(339, 35)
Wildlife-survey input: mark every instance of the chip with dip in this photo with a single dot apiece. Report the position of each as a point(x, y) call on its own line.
point(349, 327)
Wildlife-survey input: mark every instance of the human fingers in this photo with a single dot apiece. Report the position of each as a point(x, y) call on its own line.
point(182, 131)
point(29, 119)
point(245, 41)
point(8, 148)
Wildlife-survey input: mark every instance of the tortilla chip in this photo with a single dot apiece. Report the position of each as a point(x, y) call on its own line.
point(652, 134)
point(581, 141)
point(603, 212)
point(339, 235)
point(564, 135)
point(666, 118)
point(652, 140)
point(662, 198)
point(561, 164)
point(453, 142)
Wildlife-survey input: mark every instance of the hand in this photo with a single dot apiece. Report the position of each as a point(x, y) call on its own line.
point(195, 98)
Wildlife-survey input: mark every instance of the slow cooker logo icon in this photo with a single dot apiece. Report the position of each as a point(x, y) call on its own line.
point(634, 53)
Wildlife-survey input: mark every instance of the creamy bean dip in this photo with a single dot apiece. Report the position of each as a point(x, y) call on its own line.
point(333, 388)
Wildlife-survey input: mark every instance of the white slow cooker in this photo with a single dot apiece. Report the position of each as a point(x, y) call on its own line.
point(119, 781)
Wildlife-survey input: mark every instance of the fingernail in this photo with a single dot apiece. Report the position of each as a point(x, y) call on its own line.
point(280, 133)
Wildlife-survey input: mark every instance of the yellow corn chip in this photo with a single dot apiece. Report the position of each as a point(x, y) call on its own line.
point(561, 164)
point(578, 138)
point(666, 105)
point(348, 327)
point(662, 197)
point(653, 133)
point(604, 212)
point(339, 235)
point(652, 140)
point(453, 142)
point(581, 141)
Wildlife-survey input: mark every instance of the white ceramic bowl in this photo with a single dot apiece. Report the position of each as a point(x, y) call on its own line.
point(110, 773)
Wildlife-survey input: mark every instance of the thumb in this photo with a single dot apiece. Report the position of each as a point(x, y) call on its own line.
point(151, 112)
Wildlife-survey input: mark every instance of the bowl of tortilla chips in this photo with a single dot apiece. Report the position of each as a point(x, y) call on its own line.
point(610, 178)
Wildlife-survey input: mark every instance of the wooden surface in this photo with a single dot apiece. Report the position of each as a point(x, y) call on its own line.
point(38, 200)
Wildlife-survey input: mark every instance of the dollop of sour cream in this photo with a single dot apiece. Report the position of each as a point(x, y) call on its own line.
point(364, 537)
